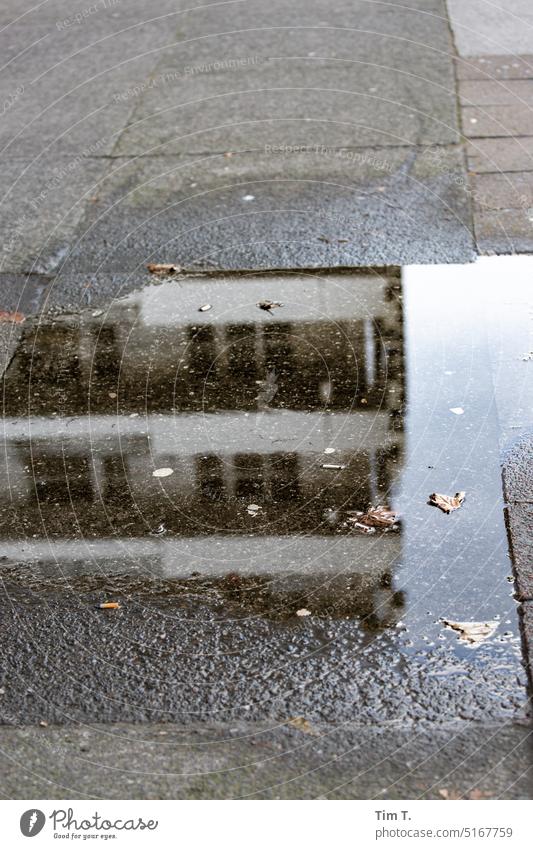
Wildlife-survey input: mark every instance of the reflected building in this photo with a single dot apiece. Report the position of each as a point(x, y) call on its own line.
point(297, 409)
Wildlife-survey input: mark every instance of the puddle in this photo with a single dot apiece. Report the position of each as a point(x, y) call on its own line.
point(277, 425)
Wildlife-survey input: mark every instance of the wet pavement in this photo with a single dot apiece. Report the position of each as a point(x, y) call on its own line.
point(202, 468)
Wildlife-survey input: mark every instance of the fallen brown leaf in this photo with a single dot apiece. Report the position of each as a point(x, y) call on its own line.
point(475, 793)
point(473, 632)
point(449, 794)
point(14, 317)
point(268, 305)
point(163, 269)
point(302, 724)
point(447, 503)
point(376, 517)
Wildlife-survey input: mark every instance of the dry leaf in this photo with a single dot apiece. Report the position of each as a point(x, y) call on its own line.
point(163, 269)
point(268, 305)
point(447, 503)
point(303, 612)
point(376, 517)
point(473, 633)
point(302, 724)
point(13, 317)
point(449, 794)
point(476, 793)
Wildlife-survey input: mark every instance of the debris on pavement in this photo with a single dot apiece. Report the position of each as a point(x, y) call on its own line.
point(253, 509)
point(447, 503)
point(205, 307)
point(159, 531)
point(109, 605)
point(302, 724)
point(375, 517)
point(163, 269)
point(333, 466)
point(329, 451)
point(162, 473)
point(13, 317)
point(457, 410)
point(360, 528)
point(268, 305)
point(303, 611)
point(473, 632)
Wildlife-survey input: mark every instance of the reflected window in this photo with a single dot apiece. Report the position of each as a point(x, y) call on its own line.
point(59, 479)
point(210, 478)
point(249, 476)
point(284, 483)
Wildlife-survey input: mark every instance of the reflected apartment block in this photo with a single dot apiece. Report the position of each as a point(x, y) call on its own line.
point(297, 410)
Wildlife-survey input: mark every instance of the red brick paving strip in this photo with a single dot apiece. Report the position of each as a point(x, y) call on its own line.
point(496, 101)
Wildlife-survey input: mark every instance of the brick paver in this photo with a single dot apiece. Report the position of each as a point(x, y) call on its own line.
point(496, 103)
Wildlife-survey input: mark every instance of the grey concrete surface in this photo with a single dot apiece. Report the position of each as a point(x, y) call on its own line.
point(250, 760)
point(495, 98)
point(276, 210)
point(518, 470)
point(321, 83)
point(482, 27)
point(518, 489)
point(42, 203)
point(126, 81)
point(527, 622)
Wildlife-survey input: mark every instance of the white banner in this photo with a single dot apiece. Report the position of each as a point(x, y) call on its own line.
point(247, 824)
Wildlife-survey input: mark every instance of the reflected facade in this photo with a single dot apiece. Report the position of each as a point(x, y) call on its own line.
point(297, 410)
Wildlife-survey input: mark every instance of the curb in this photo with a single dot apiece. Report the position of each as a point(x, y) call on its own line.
point(518, 492)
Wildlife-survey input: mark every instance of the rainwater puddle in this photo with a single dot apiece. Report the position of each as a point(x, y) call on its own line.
point(203, 468)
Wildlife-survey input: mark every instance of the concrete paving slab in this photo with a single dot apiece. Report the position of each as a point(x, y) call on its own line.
point(504, 191)
point(350, 80)
point(496, 92)
point(527, 622)
point(494, 121)
point(486, 156)
point(71, 59)
point(503, 231)
point(520, 520)
point(518, 471)
point(278, 209)
point(511, 67)
point(488, 28)
point(24, 293)
point(41, 205)
point(268, 761)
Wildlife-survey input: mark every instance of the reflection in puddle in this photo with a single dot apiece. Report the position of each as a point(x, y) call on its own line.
point(301, 418)
point(276, 425)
